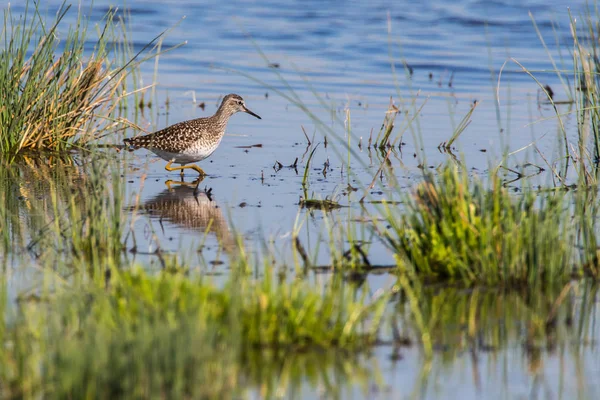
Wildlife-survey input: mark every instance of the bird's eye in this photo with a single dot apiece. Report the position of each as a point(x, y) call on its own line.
point(240, 102)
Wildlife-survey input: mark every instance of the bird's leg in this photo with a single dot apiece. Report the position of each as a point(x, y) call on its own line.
point(169, 183)
point(193, 184)
point(182, 167)
point(197, 169)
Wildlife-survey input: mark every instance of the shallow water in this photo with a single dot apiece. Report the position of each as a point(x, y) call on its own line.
point(455, 52)
point(442, 56)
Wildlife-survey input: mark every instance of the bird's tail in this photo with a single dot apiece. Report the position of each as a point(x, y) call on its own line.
point(130, 144)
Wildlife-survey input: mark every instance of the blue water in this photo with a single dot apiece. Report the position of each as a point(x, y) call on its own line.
point(346, 59)
point(353, 57)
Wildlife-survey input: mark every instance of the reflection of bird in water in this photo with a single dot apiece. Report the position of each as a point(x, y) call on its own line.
point(183, 204)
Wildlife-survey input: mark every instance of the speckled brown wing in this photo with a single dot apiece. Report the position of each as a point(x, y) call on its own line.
point(175, 138)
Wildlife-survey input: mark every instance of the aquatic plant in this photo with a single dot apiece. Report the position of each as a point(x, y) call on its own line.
point(55, 93)
point(170, 334)
point(455, 229)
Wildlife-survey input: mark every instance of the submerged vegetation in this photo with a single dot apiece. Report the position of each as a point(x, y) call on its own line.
point(475, 267)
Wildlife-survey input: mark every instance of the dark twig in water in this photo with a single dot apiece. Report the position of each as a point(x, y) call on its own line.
point(302, 252)
point(521, 175)
point(355, 247)
point(278, 166)
point(550, 92)
point(325, 167)
point(408, 68)
point(159, 254)
point(305, 135)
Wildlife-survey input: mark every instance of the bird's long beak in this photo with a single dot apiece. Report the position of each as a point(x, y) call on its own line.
point(251, 113)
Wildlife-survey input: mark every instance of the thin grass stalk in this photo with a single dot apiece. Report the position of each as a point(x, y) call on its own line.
point(307, 172)
point(464, 123)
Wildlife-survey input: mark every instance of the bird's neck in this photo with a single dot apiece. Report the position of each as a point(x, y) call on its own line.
point(222, 114)
point(219, 120)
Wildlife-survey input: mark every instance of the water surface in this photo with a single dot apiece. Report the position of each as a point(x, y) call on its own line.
point(346, 62)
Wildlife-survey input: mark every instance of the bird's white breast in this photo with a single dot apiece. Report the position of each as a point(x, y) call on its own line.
point(196, 152)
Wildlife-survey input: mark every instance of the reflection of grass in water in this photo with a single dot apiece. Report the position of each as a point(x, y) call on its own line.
point(64, 214)
point(283, 373)
point(520, 328)
point(32, 190)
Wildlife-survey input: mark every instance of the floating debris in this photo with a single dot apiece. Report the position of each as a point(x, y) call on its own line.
point(550, 92)
point(325, 205)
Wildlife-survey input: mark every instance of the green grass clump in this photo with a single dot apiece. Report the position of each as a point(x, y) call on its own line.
point(454, 229)
point(170, 335)
point(53, 93)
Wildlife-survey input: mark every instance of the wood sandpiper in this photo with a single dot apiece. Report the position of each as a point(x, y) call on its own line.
point(191, 141)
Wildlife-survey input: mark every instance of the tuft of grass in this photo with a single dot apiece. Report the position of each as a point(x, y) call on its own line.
point(172, 335)
point(46, 100)
point(454, 229)
point(54, 93)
